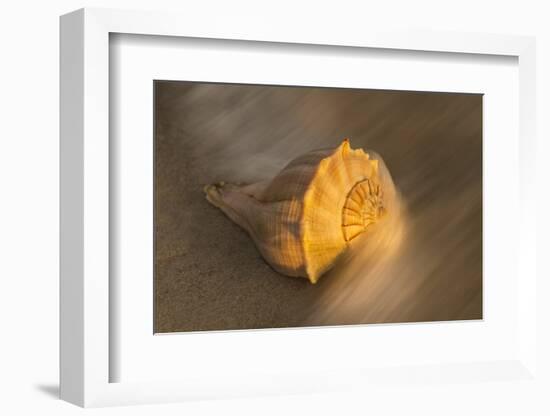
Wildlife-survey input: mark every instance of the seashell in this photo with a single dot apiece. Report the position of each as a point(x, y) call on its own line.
point(308, 215)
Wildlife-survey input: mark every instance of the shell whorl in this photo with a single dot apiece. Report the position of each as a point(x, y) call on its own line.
point(338, 205)
point(362, 208)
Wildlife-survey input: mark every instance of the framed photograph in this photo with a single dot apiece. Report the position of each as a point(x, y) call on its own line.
point(275, 212)
point(320, 232)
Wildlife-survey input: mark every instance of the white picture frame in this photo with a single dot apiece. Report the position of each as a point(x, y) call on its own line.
point(85, 220)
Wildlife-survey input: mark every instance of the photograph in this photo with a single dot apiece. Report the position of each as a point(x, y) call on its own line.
point(253, 208)
point(282, 206)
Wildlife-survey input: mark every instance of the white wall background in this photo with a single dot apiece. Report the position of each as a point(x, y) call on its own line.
point(29, 201)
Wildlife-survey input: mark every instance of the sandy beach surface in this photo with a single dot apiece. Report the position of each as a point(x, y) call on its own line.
point(210, 276)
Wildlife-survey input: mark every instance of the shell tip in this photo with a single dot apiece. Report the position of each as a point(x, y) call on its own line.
point(345, 145)
point(312, 275)
point(213, 194)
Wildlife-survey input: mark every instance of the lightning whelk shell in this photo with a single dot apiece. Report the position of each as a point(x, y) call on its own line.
point(304, 218)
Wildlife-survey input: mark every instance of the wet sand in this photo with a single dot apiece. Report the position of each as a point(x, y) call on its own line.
point(208, 273)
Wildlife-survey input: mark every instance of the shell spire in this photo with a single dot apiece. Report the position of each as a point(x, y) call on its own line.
point(304, 218)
